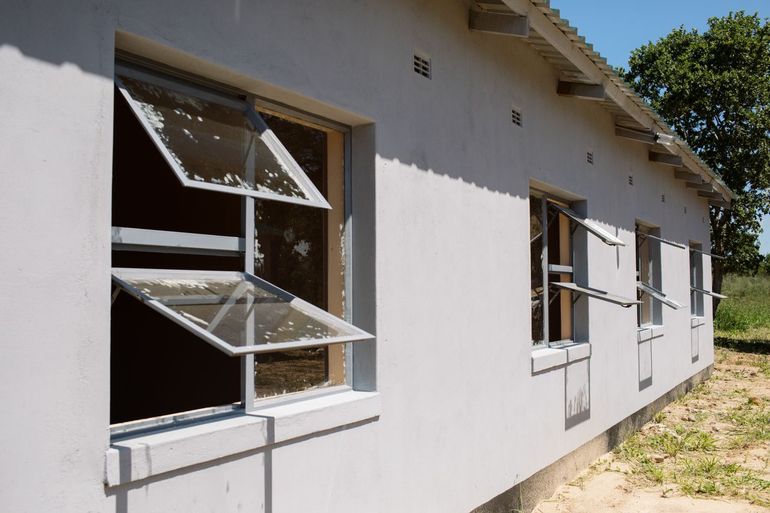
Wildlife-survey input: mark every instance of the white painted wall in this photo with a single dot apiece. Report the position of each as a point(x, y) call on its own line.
point(462, 417)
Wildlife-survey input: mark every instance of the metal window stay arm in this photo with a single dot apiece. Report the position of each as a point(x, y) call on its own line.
point(709, 293)
point(597, 294)
point(590, 226)
point(651, 291)
point(712, 255)
point(660, 239)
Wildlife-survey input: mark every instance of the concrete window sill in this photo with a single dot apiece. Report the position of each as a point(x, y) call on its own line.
point(649, 332)
point(547, 358)
point(697, 321)
point(143, 456)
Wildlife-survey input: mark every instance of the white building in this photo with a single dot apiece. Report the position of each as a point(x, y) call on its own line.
point(198, 141)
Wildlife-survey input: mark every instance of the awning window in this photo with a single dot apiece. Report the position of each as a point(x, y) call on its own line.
point(597, 294)
point(236, 312)
point(214, 141)
point(657, 294)
point(590, 226)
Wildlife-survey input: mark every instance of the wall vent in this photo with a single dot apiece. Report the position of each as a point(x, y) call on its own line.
point(630, 179)
point(590, 157)
point(516, 116)
point(422, 65)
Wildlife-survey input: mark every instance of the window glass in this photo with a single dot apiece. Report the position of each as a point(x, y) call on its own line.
point(291, 244)
point(285, 372)
point(220, 143)
point(231, 308)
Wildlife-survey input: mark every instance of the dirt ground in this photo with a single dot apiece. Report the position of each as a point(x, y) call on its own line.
point(707, 452)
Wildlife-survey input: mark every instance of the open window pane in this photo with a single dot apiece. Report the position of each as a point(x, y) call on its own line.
point(236, 312)
point(596, 293)
point(215, 142)
point(664, 241)
point(657, 294)
point(592, 227)
point(709, 293)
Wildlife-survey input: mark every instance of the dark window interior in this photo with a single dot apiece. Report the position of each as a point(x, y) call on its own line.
point(159, 368)
point(147, 194)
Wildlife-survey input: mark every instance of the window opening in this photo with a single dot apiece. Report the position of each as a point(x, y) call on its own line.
point(553, 291)
point(259, 258)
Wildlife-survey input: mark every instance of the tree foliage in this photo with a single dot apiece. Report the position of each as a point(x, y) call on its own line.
point(713, 88)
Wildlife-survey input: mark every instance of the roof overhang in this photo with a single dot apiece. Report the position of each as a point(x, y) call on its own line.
point(585, 74)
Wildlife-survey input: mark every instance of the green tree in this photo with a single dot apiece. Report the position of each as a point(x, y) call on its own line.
point(713, 88)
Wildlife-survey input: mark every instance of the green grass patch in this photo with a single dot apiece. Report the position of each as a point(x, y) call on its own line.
point(747, 306)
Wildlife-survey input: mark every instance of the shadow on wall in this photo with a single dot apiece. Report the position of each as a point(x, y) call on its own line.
point(122, 493)
point(577, 393)
point(645, 364)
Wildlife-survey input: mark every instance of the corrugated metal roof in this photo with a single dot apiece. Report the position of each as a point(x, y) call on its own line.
point(571, 72)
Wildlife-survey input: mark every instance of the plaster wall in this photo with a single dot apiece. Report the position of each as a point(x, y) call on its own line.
point(462, 417)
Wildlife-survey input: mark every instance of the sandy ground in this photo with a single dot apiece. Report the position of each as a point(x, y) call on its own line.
point(726, 416)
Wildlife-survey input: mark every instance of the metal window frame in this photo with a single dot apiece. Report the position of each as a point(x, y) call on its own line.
point(596, 294)
point(709, 293)
point(590, 226)
point(162, 241)
point(129, 239)
point(547, 201)
point(660, 239)
point(697, 306)
point(314, 196)
point(122, 277)
point(712, 255)
point(651, 291)
point(640, 237)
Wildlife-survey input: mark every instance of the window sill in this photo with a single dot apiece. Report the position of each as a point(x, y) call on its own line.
point(649, 332)
point(697, 321)
point(547, 358)
point(147, 455)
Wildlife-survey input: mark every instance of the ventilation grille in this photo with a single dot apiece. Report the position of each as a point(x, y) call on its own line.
point(422, 65)
point(630, 179)
point(590, 157)
point(516, 117)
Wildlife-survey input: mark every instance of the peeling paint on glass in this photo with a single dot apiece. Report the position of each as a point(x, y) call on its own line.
point(211, 142)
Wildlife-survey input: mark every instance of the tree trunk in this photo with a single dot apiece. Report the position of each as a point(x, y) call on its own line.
point(717, 274)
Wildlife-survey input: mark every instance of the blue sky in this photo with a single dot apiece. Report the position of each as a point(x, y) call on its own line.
point(615, 27)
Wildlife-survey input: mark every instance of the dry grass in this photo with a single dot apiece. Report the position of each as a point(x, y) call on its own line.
point(714, 441)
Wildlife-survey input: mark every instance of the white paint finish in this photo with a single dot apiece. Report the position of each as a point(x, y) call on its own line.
point(153, 454)
point(55, 155)
point(695, 344)
point(697, 321)
point(548, 358)
point(577, 352)
point(452, 273)
point(650, 332)
point(577, 395)
point(645, 362)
